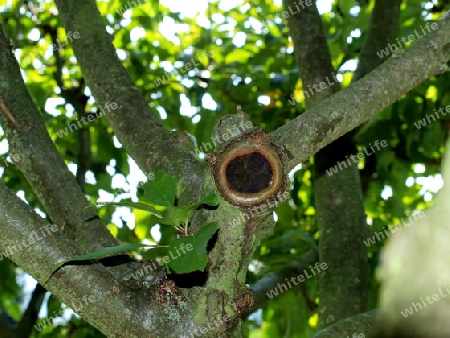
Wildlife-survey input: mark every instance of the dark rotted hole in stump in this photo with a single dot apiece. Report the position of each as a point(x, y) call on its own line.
point(250, 173)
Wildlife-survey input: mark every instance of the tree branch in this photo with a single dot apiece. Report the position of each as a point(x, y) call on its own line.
point(134, 122)
point(311, 52)
point(343, 288)
point(360, 323)
point(382, 30)
point(354, 105)
point(93, 293)
point(78, 100)
point(42, 165)
point(30, 315)
point(383, 27)
point(6, 329)
point(341, 233)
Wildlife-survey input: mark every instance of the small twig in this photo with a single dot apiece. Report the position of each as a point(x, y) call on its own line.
point(4, 108)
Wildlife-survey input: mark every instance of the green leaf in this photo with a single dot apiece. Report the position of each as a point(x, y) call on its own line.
point(161, 190)
point(135, 205)
point(101, 253)
point(190, 251)
point(212, 200)
point(175, 215)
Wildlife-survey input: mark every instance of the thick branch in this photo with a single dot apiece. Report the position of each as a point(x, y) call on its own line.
point(78, 100)
point(88, 288)
point(41, 163)
point(314, 62)
point(343, 289)
point(361, 323)
point(135, 124)
point(6, 329)
point(30, 315)
point(35, 246)
point(311, 53)
point(382, 30)
point(354, 105)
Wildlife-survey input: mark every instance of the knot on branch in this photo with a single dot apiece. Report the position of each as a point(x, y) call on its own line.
point(248, 169)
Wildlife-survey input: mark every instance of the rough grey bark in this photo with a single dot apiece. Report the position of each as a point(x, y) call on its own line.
point(361, 323)
point(383, 26)
point(343, 287)
point(135, 124)
point(41, 164)
point(341, 232)
point(354, 105)
point(19, 222)
point(382, 30)
point(338, 198)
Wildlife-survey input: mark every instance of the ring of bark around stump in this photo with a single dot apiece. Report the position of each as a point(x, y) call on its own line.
point(248, 174)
